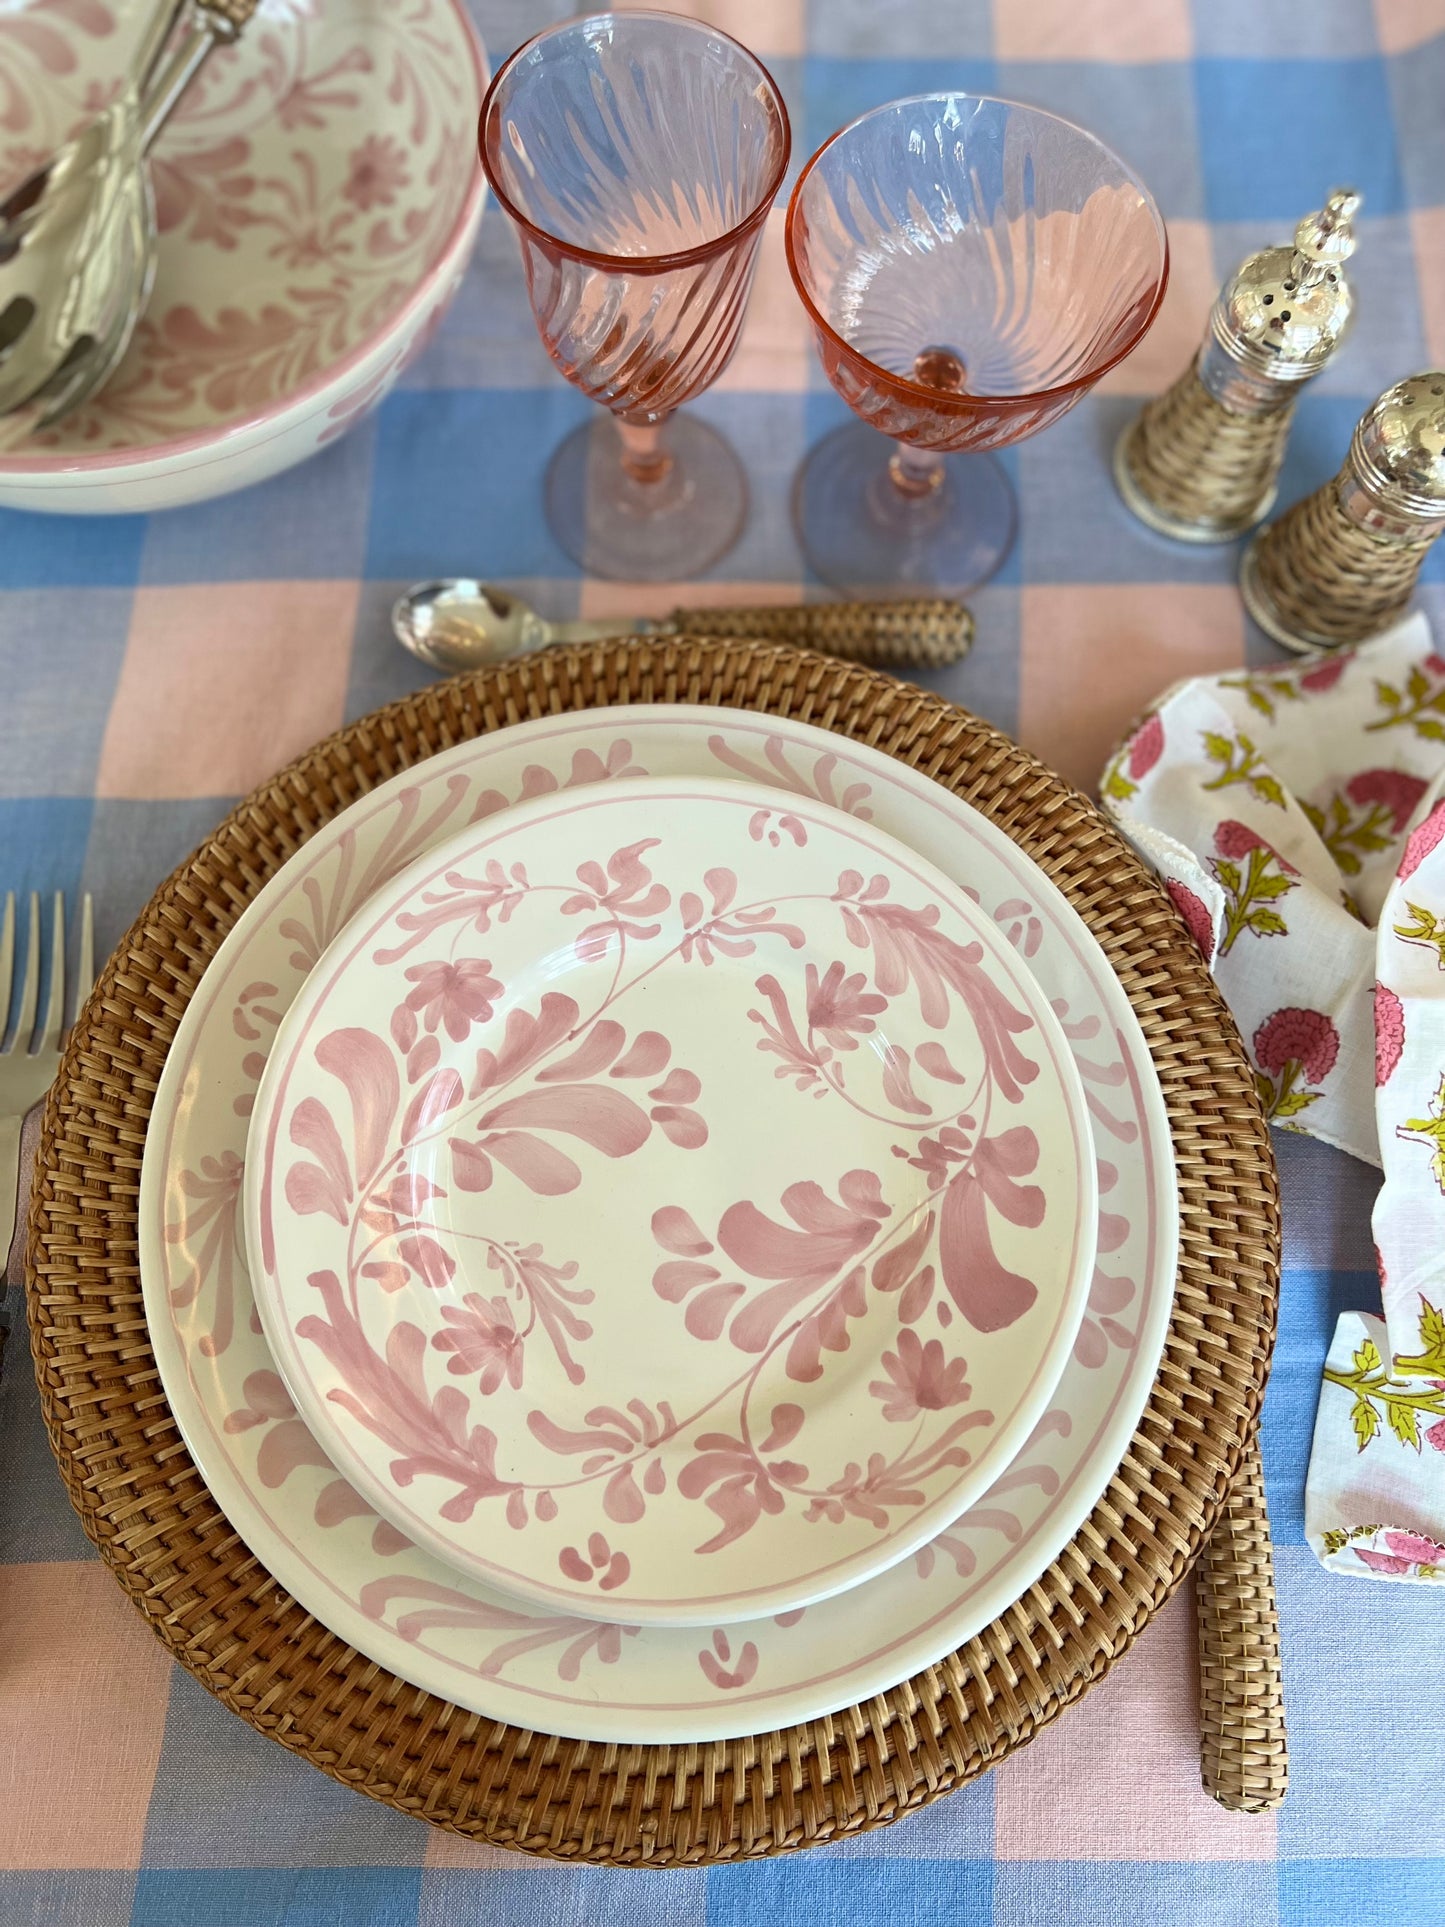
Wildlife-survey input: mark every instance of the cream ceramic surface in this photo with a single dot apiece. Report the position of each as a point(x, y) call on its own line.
point(466, 1641)
point(317, 194)
point(664, 1204)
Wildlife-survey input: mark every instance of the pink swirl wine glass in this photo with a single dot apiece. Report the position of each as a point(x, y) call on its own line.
point(637, 155)
point(971, 267)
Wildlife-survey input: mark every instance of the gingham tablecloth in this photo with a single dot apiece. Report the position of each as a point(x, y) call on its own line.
point(151, 670)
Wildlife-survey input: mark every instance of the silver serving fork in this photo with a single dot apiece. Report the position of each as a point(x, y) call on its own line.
point(29, 1061)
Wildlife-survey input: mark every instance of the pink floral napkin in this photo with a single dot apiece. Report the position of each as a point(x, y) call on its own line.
point(1297, 818)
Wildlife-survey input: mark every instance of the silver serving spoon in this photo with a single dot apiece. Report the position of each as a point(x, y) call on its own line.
point(460, 624)
point(77, 240)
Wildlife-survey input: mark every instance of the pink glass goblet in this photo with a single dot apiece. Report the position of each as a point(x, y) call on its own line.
point(637, 155)
point(971, 267)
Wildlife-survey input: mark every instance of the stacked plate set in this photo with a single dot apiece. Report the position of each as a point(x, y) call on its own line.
point(658, 1223)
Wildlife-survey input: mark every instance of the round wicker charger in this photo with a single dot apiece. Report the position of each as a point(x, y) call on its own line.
point(215, 1607)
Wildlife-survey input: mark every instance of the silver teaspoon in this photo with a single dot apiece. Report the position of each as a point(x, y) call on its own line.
point(462, 624)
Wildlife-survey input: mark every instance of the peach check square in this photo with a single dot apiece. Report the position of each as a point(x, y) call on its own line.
point(223, 683)
point(1117, 1778)
point(82, 1717)
point(1427, 228)
point(1170, 345)
point(1146, 30)
point(1092, 655)
point(765, 27)
point(1403, 24)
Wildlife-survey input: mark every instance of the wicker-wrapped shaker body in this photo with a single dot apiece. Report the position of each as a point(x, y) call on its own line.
point(1342, 565)
point(1200, 461)
point(221, 1614)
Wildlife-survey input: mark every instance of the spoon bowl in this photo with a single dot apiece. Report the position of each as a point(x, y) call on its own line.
point(458, 623)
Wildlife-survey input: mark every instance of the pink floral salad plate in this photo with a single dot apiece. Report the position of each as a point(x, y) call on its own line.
point(668, 1203)
point(317, 197)
point(466, 1640)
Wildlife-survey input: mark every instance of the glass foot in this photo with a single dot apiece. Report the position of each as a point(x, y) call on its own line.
point(669, 530)
point(859, 531)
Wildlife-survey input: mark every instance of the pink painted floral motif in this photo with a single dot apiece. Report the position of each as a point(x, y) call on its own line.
point(841, 1009)
point(377, 174)
point(608, 1568)
point(1101, 1327)
point(1195, 913)
point(483, 1341)
point(456, 995)
point(1389, 1032)
point(717, 1664)
point(1293, 1048)
point(777, 772)
point(214, 1215)
point(910, 950)
point(920, 1379)
point(208, 195)
point(528, 1632)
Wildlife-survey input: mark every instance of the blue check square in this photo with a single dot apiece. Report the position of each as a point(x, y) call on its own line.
point(1276, 135)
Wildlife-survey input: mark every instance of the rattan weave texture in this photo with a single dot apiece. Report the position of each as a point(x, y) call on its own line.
point(1201, 465)
point(145, 1505)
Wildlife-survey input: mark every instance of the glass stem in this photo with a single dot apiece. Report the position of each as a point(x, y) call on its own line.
point(644, 457)
point(915, 472)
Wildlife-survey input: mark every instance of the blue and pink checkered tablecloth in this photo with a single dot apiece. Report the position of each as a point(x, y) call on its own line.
point(151, 670)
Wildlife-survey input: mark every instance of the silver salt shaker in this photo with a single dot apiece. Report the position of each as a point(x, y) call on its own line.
point(1200, 462)
point(1342, 564)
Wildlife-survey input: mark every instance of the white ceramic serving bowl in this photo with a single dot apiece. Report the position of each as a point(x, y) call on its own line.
point(318, 195)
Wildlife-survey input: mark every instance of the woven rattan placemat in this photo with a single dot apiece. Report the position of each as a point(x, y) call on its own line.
point(146, 1507)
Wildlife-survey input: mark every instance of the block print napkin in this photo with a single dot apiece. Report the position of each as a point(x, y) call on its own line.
point(1297, 819)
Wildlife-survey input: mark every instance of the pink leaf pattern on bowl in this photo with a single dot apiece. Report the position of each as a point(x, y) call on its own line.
point(303, 190)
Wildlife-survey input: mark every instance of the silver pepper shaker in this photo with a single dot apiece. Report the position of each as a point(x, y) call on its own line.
point(1200, 462)
point(1342, 564)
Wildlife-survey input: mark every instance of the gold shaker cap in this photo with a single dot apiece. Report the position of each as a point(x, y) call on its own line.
point(1398, 450)
point(1287, 309)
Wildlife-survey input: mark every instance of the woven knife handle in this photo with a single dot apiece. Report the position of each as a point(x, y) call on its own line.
point(915, 631)
point(1243, 1750)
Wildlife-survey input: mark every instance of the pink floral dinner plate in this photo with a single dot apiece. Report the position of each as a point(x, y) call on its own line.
point(456, 1636)
point(667, 1203)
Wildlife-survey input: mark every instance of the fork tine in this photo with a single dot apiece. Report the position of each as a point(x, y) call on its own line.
point(85, 972)
point(7, 963)
point(30, 988)
point(55, 999)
